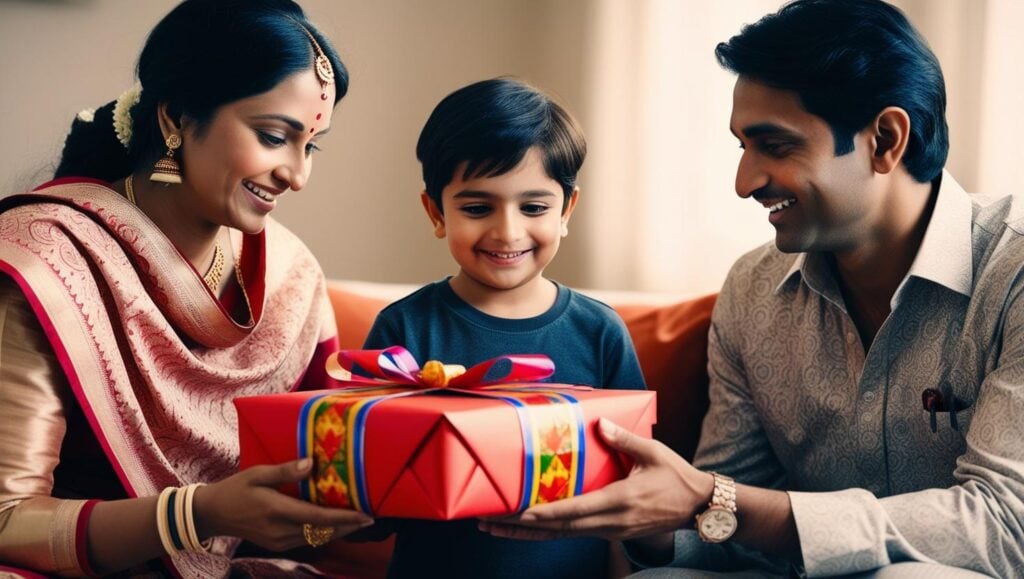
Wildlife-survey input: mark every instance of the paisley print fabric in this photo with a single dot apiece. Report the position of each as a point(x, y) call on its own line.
point(798, 404)
point(137, 344)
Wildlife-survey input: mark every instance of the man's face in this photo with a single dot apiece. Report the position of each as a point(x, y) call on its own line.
point(816, 200)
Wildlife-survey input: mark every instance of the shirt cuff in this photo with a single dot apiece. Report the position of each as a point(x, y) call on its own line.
point(839, 534)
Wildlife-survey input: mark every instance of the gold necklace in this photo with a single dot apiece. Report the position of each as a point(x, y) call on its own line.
point(241, 282)
point(215, 273)
point(128, 189)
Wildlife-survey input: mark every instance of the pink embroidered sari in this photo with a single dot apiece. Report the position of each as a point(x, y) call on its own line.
point(153, 358)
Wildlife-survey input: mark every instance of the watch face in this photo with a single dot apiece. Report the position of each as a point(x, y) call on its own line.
point(717, 524)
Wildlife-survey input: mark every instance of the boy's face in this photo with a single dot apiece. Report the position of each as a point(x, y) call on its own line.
point(817, 201)
point(503, 230)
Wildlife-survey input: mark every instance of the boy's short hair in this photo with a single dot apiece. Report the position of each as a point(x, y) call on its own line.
point(489, 126)
point(848, 60)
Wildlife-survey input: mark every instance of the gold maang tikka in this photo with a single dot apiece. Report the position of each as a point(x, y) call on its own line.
point(321, 64)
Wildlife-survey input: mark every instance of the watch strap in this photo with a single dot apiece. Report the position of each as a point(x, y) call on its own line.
point(724, 493)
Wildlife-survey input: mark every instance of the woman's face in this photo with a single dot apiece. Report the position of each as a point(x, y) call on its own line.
point(253, 151)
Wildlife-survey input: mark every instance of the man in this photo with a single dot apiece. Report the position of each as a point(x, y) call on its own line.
point(867, 368)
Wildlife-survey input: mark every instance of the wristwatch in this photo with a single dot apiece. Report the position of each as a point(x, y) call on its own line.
point(718, 522)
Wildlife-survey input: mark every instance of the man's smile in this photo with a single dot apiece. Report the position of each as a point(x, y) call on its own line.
point(776, 207)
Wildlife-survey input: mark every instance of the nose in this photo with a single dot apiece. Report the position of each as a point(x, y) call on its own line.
point(508, 227)
point(750, 175)
point(294, 172)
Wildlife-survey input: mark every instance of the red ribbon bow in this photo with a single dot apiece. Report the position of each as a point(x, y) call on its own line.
point(395, 365)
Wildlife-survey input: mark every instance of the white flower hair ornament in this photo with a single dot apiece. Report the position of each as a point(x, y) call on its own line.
point(87, 115)
point(122, 114)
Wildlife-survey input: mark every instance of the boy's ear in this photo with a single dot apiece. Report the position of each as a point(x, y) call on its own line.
point(434, 213)
point(570, 206)
point(890, 135)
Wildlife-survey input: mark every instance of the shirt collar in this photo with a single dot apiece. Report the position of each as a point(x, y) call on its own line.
point(945, 256)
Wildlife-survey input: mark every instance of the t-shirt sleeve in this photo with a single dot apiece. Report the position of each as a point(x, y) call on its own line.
point(383, 334)
point(622, 367)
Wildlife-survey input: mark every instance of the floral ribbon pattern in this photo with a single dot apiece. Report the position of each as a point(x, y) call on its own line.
point(331, 427)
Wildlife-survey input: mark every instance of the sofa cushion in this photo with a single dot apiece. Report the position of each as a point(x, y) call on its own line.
point(672, 344)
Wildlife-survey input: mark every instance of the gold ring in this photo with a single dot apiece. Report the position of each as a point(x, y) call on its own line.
point(317, 536)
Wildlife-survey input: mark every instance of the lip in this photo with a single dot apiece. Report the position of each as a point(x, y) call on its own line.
point(261, 204)
point(505, 258)
point(778, 209)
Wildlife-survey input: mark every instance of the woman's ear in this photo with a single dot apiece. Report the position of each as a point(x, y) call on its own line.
point(434, 213)
point(168, 124)
point(570, 206)
point(890, 134)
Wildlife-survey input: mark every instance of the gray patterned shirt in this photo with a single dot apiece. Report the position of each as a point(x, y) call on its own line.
point(797, 404)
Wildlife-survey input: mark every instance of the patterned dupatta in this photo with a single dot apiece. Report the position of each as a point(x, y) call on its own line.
point(152, 356)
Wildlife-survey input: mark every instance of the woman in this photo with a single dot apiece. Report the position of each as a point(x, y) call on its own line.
point(146, 287)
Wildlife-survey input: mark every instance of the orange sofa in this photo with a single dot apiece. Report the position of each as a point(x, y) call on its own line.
point(671, 339)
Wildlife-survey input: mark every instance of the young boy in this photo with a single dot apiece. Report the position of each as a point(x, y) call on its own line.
point(499, 163)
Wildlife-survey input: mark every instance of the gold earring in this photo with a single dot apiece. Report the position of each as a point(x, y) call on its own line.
point(167, 169)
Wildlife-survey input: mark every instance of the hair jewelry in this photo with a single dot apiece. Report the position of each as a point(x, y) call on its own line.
point(322, 64)
point(86, 115)
point(123, 114)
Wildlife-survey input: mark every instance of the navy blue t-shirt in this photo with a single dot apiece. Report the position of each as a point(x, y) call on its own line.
point(590, 346)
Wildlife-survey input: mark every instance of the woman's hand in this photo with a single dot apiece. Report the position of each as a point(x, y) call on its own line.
point(662, 493)
point(248, 505)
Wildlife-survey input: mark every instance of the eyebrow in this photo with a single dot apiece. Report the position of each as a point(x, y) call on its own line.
point(293, 123)
point(767, 129)
point(530, 194)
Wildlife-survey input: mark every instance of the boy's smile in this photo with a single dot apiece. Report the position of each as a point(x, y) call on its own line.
point(503, 231)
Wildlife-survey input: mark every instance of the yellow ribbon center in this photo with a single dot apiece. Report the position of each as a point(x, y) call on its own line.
point(437, 375)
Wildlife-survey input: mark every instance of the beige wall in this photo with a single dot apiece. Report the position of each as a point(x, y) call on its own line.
point(360, 213)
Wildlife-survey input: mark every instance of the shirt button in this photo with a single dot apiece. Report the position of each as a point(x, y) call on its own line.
point(850, 338)
point(869, 396)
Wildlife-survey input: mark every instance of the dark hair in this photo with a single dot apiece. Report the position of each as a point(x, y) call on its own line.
point(847, 60)
point(202, 55)
point(489, 126)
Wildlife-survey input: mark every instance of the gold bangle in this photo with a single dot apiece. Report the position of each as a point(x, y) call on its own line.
point(162, 527)
point(194, 544)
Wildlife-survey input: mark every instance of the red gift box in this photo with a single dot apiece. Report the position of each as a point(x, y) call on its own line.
point(471, 449)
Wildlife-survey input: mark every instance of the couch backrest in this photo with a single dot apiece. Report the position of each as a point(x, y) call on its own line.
point(671, 342)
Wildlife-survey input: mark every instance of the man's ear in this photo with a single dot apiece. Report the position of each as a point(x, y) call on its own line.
point(890, 134)
point(570, 206)
point(434, 213)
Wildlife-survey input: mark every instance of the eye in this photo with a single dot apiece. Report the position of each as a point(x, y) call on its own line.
point(776, 149)
point(534, 209)
point(270, 140)
point(312, 148)
point(475, 209)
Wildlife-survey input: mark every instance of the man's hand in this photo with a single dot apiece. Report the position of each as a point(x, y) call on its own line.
point(662, 493)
